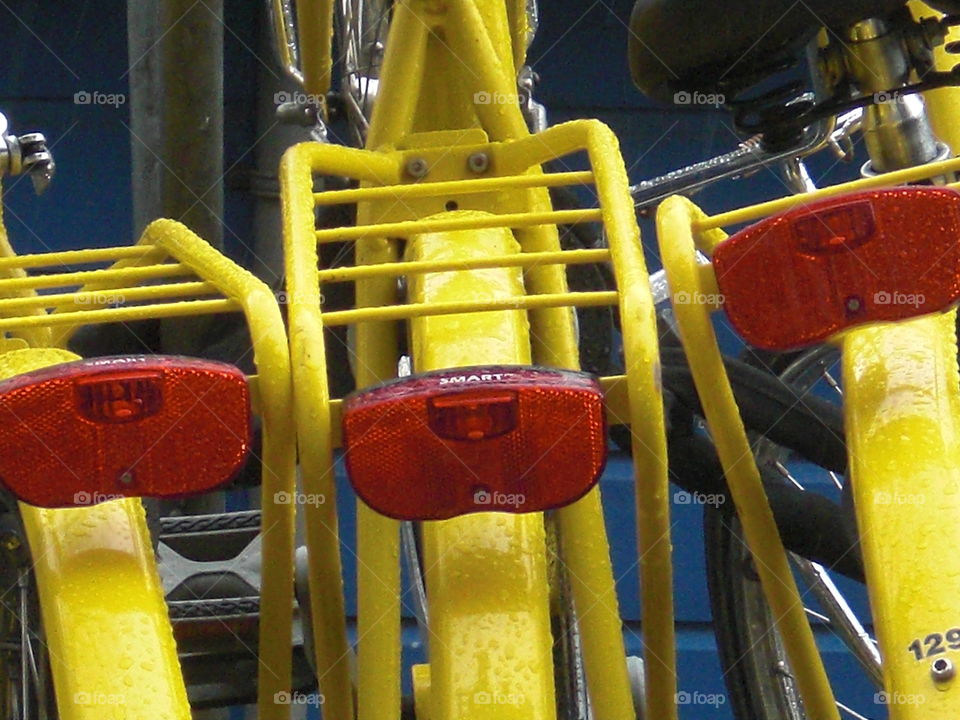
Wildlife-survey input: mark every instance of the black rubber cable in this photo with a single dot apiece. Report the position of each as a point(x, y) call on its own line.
point(806, 424)
point(810, 525)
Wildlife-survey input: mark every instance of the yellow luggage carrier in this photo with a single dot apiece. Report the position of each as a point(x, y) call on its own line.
point(104, 618)
point(466, 226)
point(902, 417)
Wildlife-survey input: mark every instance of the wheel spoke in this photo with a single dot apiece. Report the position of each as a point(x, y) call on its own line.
point(842, 618)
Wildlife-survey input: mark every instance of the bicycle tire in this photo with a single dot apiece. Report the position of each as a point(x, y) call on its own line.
point(751, 655)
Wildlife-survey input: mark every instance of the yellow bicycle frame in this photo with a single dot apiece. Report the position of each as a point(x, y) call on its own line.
point(105, 621)
point(485, 284)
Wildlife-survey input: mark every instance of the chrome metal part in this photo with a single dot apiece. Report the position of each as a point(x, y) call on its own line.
point(942, 670)
point(411, 555)
point(417, 167)
point(26, 154)
point(659, 285)
point(750, 156)
point(362, 34)
point(535, 113)
point(478, 162)
point(896, 128)
point(282, 16)
point(841, 139)
point(795, 175)
point(842, 619)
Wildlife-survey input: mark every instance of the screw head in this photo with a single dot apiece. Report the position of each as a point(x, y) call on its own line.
point(417, 167)
point(942, 670)
point(126, 477)
point(478, 162)
point(854, 304)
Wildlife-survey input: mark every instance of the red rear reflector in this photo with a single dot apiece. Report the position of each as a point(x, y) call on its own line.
point(797, 278)
point(94, 430)
point(497, 438)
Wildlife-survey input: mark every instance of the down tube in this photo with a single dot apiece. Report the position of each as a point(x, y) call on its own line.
point(902, 416)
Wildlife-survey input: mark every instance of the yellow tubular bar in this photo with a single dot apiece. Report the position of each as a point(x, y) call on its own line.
point(313, 425)
point(897, 177)
point(652, 487)
point(279, 456)
point(515, 220)
point(37, 337)
point(104, 618)
point(399, 312)
point(455, 187)
point(566, 257)
point(315, 34)
point(486, 573)
point(675, 220)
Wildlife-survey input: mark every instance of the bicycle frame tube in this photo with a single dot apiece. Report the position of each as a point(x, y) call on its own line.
point(315, 32)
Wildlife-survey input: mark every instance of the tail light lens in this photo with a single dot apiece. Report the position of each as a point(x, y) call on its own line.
point(452, 442)
point(797, 278)
point(94, 430)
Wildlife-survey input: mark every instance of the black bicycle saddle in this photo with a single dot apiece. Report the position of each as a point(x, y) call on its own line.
point(725, 46)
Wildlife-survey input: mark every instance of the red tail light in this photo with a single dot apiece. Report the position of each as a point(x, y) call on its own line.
point(797, 278)
point(93, 430)
point(452, 442)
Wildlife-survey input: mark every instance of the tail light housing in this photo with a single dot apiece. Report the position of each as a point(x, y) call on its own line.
point(93, 430)
point(797, 278)
point(492, 438)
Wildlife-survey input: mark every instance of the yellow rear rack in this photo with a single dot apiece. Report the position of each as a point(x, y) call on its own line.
point(682, 228)
point(171, 272)
point(503, 186)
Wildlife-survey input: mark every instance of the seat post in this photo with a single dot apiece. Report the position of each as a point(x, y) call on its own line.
point(896, 127)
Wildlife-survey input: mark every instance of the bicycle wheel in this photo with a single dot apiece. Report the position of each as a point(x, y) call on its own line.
point(26, 689)
point(756, 670)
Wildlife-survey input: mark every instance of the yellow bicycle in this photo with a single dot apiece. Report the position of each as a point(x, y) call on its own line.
point(85, 439)
point(490, 449)
point(870, 268)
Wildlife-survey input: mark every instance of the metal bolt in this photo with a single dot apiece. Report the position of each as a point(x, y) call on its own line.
point(417, 167)
point(10, 542)
point(942, 670)
point(853, 304)
point(126, 478)
point(479, 162)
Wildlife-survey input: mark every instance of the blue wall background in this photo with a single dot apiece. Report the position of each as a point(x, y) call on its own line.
point(580, 54)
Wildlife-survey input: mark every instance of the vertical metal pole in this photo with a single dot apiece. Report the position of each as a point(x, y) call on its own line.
point(175, 50)
point(176, 115)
